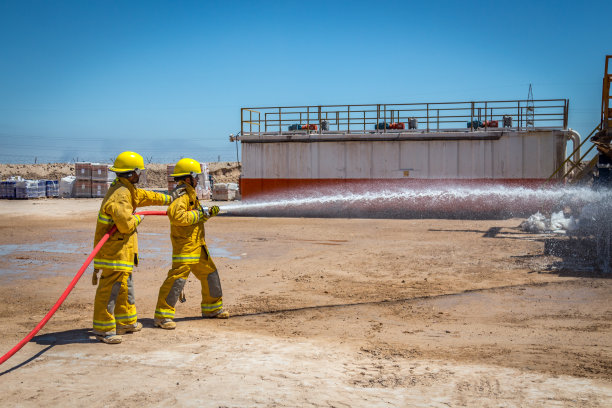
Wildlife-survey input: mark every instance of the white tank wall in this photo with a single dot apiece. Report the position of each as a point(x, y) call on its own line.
point(516, 155)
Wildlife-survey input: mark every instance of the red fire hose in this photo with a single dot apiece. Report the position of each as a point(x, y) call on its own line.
point(69, 289)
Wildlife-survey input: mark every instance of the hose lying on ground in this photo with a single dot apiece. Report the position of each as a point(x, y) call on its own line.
point(69, 289)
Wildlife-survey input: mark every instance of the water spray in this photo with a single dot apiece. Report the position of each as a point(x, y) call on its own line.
point(445, 202)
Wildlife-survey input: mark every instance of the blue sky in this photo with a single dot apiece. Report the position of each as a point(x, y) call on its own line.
point(88, 79)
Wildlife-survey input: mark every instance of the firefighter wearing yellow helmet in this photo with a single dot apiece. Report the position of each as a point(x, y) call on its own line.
point(114, 306)
point(189, 251)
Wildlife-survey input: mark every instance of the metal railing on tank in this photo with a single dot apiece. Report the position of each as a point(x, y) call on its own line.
point(472, 116)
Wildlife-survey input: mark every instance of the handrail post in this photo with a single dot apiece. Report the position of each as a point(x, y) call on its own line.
point(242, 121)
point(364, 121)
point(385, 118)
point(280, 121)
point(319, 118)
point(427, 118)
point(376, 127)
point(348, 119)
point(472, 118)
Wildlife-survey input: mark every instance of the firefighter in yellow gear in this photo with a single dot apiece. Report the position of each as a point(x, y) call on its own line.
point(114, 305)
point(189, 251)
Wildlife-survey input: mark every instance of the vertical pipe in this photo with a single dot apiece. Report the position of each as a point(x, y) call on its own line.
point(250, 121)
point(319, 118)
point(427, 118)
point(377, 117)
point(364, 121)
point(280, 121)
point(241, 120)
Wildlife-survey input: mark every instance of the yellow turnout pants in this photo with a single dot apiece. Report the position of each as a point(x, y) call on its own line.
point(114, 305)
point(206, 272)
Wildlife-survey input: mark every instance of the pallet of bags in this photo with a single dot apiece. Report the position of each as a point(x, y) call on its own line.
point(83, 179)
point(51, 188)
point(25, 189)
point(203, 187)
point(82, 188)
point(82, 170)
point(99, 188)
point(99, 172)
point(7, 189)
point(224, 191)
point(171, 183)
point(67, 187)
point(42, 188)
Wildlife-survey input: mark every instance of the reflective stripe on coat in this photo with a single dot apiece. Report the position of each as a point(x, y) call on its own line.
point(186, 227)
point(120, 252)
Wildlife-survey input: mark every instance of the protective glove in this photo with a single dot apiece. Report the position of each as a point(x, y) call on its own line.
point(212, 211)
point(177, 192)
point(94, 277)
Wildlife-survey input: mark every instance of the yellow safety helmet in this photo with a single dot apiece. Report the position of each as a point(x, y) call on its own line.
point(127, 161)
point(186, 167)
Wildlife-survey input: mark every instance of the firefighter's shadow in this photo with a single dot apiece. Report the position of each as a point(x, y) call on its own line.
point(66, 337)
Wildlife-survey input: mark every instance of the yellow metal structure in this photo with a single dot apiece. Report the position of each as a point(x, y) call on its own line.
point(602, 136)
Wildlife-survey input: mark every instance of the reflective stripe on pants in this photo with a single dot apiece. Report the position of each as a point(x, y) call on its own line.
point(206, 272)
point(114, 302)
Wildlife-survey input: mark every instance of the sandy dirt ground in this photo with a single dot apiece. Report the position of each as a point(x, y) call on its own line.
point(325, 313)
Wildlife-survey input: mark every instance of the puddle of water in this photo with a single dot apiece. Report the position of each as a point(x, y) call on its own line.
point(23, 269)
point(7, 249)
point(58, 247)
point(220, 252)
point(156, 246)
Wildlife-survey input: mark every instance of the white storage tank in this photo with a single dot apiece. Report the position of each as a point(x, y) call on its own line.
point(372, 148)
